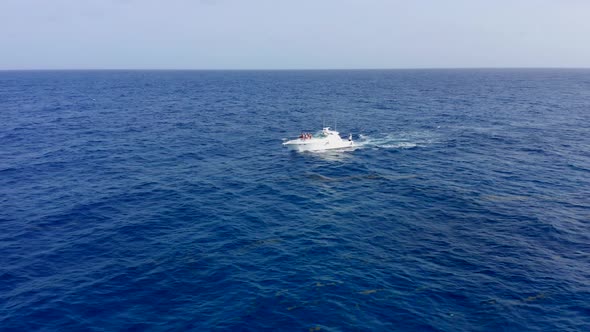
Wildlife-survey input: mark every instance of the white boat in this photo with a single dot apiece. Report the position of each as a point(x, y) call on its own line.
point(327, 139)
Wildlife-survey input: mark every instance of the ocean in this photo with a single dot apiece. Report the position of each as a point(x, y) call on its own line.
point(165, 201)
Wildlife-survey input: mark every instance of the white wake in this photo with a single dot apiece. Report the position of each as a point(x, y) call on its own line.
point(401, 140)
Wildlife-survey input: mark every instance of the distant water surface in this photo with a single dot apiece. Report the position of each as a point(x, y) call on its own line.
point(163, 200)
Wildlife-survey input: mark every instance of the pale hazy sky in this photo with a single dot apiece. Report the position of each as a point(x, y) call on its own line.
point(291, 34)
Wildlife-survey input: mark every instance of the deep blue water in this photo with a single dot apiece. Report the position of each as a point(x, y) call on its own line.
point(163, 200)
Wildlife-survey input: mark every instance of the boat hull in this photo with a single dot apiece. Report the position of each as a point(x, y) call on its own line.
point(317, 145)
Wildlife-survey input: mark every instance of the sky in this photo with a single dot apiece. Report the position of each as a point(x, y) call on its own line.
point(293, 34)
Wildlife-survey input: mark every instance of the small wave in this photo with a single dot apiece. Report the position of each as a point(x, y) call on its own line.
point(334, 155)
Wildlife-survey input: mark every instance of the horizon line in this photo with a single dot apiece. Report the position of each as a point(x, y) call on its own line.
point(284, 69)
